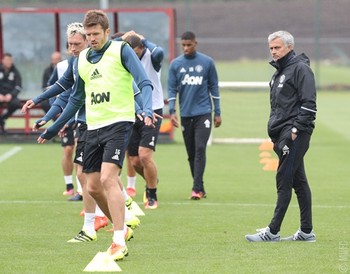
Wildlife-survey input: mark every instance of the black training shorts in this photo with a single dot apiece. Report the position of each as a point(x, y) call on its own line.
point(68, 139)
point(79, 150)
point(144, 136)
point(107, 144)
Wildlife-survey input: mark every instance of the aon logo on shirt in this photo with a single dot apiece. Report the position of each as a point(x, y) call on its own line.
point(100, 97)
point(192, 80)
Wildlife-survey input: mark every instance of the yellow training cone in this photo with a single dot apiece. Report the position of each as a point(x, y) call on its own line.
point(102, 262)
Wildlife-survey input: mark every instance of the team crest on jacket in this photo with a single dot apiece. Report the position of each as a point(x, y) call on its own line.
point(198, 68)
point(281, 80)
point(11, 76)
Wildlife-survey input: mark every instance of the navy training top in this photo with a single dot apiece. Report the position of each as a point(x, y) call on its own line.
point(195, 79)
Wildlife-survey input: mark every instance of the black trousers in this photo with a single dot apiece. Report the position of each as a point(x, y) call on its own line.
point(291, 175)
point(196, 131)
point(12, 106)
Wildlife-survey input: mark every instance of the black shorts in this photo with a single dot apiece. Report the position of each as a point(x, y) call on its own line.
point(107, 144)
point(79, 150)
point(68, 139)
point(144, 136)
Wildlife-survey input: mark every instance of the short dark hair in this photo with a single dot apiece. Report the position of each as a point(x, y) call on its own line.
point(134, 41)
point(188, 35)
point(96, 17)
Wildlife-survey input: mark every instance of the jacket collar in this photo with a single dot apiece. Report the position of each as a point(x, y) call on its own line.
point(284, 61)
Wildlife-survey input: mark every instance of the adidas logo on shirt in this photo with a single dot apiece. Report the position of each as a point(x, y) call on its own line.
point(182, 70)
point(95, 75)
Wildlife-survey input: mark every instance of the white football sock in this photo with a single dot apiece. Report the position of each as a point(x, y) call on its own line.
point(132, 182)
point(89, 223)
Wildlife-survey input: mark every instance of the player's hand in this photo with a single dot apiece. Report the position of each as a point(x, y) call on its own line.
point(156, 117)
point(217, 121)
point(38, 124)
point(29, 104)
point(174, 120)
point(127, 34)
point(148, 121)
point(139, 115)
point(62, 132)
point(41, 139)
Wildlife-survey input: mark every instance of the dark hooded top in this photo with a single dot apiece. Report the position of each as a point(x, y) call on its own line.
point(292, 95)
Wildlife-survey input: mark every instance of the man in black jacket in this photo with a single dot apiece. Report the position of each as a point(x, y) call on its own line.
point(291, 123)
point(10, 86)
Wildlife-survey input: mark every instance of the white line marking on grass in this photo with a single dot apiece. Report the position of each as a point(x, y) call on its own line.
point(10, 153)
point(238, 140)
point(181, 204)
point(254, 205)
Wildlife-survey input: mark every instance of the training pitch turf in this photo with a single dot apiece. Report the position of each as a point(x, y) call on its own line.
point(184, 236)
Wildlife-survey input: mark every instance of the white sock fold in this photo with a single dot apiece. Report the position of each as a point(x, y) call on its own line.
point(68, 179)
point(132, 181)
point(125, 195)
point(128, 215)
point(89, 223)
point(118, 237)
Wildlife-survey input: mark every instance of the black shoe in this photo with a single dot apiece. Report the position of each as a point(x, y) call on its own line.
point(76, 197)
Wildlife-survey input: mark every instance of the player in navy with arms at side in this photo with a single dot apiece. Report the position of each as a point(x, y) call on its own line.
point(193, 75)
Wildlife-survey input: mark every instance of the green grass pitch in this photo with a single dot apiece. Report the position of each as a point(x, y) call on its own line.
point(185, 236)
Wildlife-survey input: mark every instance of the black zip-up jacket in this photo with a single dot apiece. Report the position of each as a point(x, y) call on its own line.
point(292, 95)
point(10, 81)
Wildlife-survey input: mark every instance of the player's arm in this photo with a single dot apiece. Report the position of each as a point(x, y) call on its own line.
point(172, 88)
point(63, 84)
point(213, 85)
point(56, 108)
point(138, 100)
point(76, 101)
point(172, 93)
point(134, 66)
point(307, 94)
point(157, 54)
point(60, 86)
